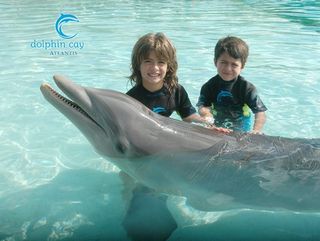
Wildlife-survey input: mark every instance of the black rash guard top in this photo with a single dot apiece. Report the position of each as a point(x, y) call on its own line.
point(163, 102)
point(230, 100)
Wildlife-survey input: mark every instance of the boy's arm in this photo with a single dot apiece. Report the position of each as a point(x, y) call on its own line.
point(194, 118)
point(204, 102)
point(259, 120)
point(205, 112)
point(204, 120)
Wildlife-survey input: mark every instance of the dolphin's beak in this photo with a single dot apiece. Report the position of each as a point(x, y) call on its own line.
point(79, 110)
point(73, 108)
point(75, 92)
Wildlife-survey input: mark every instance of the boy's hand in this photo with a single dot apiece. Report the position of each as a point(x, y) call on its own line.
point(256, 132)
point(209, 123)
point(220, 129)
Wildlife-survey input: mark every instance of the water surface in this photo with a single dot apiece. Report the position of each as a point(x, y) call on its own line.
point(53, 186)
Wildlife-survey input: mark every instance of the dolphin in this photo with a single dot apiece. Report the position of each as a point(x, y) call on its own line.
point(213, 170)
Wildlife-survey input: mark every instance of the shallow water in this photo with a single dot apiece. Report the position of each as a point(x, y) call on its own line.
point(53, 186)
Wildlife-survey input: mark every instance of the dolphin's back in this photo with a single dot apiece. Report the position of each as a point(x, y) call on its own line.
point(251, 171)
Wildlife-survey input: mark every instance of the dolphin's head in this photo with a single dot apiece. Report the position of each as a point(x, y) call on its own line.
point(102, 116)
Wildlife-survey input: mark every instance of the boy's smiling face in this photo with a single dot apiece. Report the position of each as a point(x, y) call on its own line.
point(153, 71)
point(228, 67)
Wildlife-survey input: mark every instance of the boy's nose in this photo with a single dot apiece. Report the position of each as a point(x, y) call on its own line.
point(228, 67)
point(155, 66)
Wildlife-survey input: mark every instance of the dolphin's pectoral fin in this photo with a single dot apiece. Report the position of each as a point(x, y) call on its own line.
point(129, 185)
point(148, 217)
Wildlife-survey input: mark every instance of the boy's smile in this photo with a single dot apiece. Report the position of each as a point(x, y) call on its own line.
point(153, 71)
point(228, 67)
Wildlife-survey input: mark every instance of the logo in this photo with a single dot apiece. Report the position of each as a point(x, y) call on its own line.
point(65, 18)
point(65, 46)
point(225, 97)
point(158, 109)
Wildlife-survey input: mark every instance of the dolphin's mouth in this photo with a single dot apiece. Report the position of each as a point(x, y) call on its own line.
point(48, 90)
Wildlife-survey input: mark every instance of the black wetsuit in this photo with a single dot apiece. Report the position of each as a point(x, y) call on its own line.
point(230, 102)
point(163, 102)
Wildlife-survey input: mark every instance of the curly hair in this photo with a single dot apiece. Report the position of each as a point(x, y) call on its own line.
point(163, 48)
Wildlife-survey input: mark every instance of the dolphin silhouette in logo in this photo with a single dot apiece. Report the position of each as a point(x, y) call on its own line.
point(65, 18)
point(214, 171)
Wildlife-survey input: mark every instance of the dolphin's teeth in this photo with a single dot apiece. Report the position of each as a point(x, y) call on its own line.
point(67, 101)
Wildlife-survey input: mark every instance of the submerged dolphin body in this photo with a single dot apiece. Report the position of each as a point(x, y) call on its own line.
point(212, 170)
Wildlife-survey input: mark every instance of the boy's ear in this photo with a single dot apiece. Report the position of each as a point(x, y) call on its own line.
point(243, 64)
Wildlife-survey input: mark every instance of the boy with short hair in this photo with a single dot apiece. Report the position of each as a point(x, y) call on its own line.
point(226, 99)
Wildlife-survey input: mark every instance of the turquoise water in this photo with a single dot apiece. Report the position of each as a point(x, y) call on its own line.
point(53, 186)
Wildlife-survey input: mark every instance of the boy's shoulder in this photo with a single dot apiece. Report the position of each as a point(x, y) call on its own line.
point(242, 81)
point(133, 90)
point(212, 81)
point(179, 87)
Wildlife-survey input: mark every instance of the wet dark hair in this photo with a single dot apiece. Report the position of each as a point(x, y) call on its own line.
point(234, 46)
point(163, 48)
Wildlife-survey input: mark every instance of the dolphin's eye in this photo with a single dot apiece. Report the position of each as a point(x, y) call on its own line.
point(121, 148)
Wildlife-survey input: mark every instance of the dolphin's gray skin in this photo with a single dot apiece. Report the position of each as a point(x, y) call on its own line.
point(213, 170)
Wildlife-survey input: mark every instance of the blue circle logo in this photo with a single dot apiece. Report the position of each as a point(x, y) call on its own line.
point(65, 18)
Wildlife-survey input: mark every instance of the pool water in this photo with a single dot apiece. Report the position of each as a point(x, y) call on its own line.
point(53, 186)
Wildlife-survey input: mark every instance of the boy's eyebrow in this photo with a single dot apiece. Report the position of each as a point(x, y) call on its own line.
point(158, 59)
